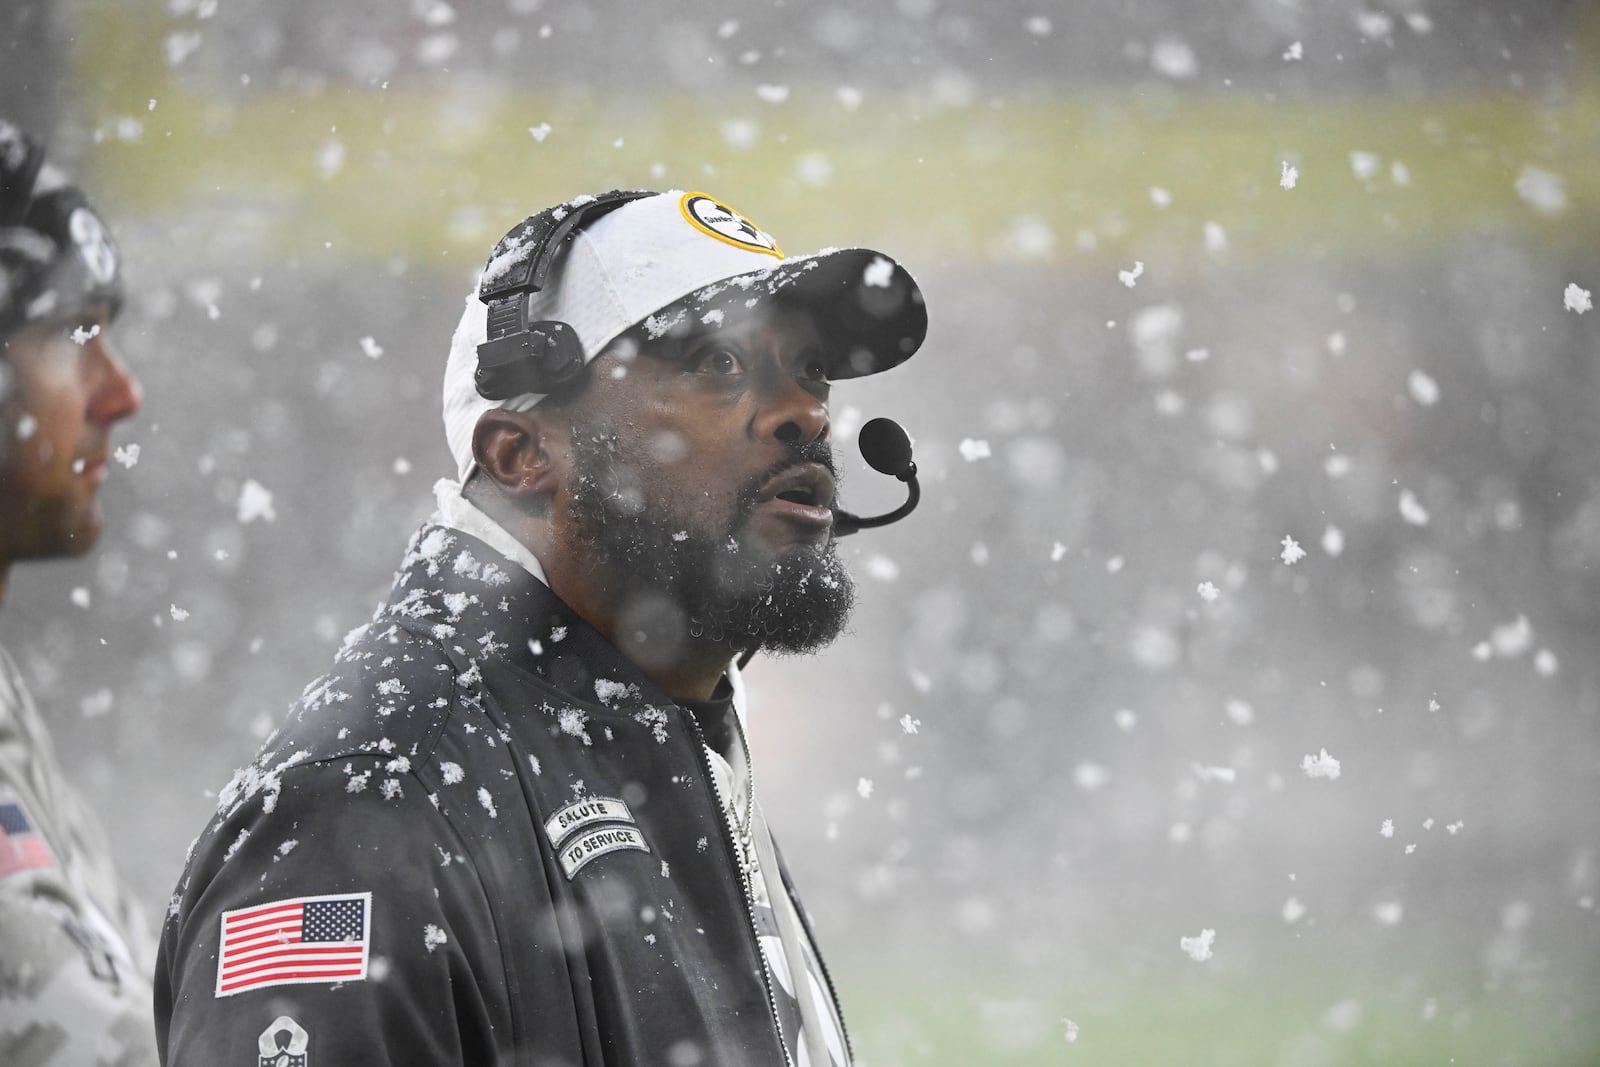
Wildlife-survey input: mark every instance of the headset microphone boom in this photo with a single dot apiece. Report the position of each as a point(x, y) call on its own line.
point(887, 450)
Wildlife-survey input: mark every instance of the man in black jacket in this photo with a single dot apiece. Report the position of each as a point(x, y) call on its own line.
point(516, 824)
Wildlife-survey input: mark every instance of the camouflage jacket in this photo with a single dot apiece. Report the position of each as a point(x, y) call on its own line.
point(74, 955)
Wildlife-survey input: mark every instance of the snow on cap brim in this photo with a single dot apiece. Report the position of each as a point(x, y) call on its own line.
point(868, 307)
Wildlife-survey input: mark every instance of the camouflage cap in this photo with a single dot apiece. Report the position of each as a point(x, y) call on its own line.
point(56, 254)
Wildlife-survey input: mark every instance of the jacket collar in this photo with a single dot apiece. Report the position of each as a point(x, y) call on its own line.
point(457, 591)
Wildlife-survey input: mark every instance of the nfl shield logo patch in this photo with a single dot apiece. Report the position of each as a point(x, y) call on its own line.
point(283, 1044)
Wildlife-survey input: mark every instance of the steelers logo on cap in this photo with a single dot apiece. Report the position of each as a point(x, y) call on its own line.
point(94, 244)
point(716, 219)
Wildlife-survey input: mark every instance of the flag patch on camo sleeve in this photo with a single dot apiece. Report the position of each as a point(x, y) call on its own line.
point(299, 941)
point(21, 847)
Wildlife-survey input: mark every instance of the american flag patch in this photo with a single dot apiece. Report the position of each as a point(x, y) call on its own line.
point(21, 847)
point(295, 942)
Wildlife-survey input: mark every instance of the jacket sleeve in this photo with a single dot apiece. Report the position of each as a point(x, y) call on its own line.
point(356, 931)
point(69, 993)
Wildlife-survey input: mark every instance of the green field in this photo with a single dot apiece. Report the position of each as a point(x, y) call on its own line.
point(1306, 1020)
point(367, 173)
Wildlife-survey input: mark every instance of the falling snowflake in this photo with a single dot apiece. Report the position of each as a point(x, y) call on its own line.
point(1577, 299)
point(1290, 176)
point(540, 132)
point(1541, 190)
point(488, 802)
point(1089, 776)
point(1374, 24)
point(97, 704)
point(1130, 278)
point(1293, 910)
point(1387, 829)
point(1208, 591)
point(81, 336)
point(973, 450)
point(1174, 58)
point(371, 347)
point(1198, 948)
point(127, 455)
point(178, 614)
point(1321, 765)
point(1294, 51)
point(1545, 662)
point(1364, 164)
point(433, 937)
point(255, 502)
point(1424, 390)
point(1292, 552)
point(1411, 509)
point(864, 787)
point(908, 724)
point(1070, 1030)
point(1333, 540)
point(1389, 912)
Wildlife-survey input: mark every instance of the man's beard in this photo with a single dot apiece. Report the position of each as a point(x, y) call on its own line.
point(680, 581)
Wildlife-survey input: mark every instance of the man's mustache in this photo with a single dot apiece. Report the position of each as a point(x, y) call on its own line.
point(819, 452)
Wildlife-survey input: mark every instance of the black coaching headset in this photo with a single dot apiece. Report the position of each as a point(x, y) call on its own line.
point(533, 357)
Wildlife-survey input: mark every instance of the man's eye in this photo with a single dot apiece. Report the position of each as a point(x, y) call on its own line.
point(719, 361)
point(815, 368)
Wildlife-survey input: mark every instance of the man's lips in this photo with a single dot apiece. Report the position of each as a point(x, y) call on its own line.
point(802, 494)
point(94, 468)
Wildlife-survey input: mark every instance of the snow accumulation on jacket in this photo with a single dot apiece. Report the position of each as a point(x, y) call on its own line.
point(485, 838)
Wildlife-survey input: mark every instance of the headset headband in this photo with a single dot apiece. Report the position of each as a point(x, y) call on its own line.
point(533, 357)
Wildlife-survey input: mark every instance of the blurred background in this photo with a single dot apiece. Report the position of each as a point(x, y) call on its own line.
point(1259, 422)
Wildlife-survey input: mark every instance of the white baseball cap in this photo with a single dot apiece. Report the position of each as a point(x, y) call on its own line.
point(662, 256)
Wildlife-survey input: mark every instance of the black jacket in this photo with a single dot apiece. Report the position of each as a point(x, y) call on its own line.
point(551, 879)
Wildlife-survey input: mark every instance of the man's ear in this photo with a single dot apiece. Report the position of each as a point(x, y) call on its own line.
point(514, 451)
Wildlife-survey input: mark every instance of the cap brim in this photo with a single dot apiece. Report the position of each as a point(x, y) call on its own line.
point(868, 307)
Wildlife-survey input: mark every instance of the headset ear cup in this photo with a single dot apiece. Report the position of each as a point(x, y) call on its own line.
point(539, 359)
point(559, 354)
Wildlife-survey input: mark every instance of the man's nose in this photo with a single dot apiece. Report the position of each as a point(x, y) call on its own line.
point(793, 416)
point(117, 393)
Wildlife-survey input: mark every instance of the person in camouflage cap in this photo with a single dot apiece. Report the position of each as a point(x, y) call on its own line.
point(74, 986)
